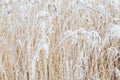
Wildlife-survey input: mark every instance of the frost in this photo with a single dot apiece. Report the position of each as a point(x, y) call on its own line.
point(35, 58)
point(70, 34)
point(42, 14)
point(59, 39)
point(23, 13)
point(93, 38)
point(117, 72)
point(113, 51)
point(113, 30)
point(44, 44)
point(3, 40)
point(101, 8)
point(51, 30)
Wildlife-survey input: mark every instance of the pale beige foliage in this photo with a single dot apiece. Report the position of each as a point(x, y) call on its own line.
point(59, 39)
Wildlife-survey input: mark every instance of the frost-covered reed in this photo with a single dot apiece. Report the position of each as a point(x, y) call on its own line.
point(59, 39)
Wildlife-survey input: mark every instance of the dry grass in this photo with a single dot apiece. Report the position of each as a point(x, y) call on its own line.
point(59, 39)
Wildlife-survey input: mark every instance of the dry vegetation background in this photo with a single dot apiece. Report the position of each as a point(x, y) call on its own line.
point(59, 39)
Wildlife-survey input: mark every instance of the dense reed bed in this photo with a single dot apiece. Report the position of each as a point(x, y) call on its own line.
point(59, 39)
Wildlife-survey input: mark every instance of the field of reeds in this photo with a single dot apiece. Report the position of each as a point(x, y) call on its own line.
point(59, 39)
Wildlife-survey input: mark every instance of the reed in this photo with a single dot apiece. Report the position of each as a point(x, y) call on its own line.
point(59, 40)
